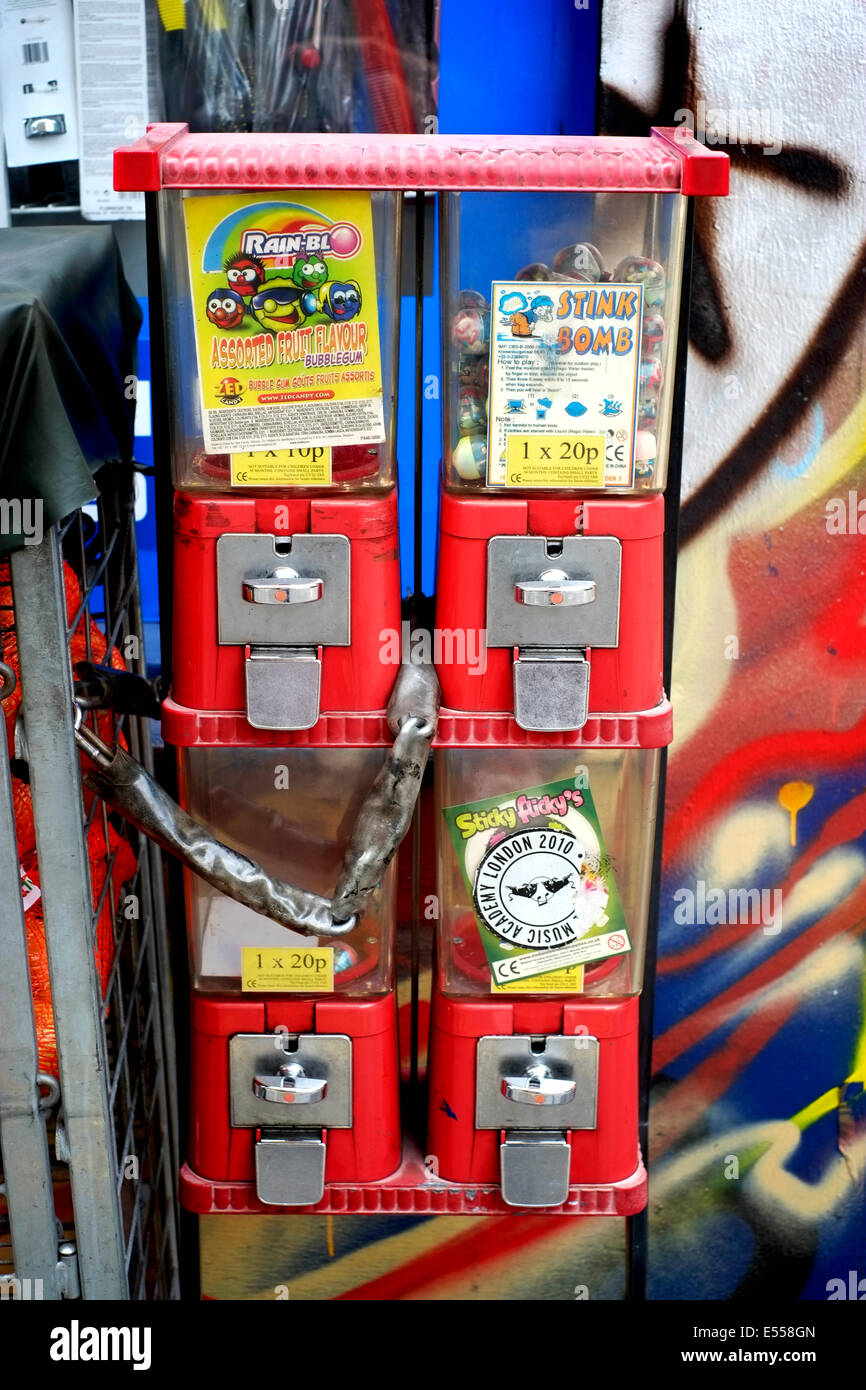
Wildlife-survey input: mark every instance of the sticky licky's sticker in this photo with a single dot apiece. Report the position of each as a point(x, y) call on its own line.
point(285, 309)
point(541, 885)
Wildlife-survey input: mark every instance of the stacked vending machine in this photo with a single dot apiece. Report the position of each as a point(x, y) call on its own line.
point(280, 294)
point(561, 288)
point(561, 281)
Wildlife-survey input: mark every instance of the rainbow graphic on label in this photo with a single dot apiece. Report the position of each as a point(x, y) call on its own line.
point(286, 321)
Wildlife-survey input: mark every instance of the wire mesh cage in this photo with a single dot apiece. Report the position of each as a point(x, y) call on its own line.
point(103, 1143)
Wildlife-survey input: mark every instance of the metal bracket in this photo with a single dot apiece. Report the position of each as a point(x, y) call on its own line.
point(68, 1276)
point(507, 1067)
point(267, 1097)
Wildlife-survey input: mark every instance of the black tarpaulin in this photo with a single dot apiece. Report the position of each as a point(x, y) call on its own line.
point(68, 329)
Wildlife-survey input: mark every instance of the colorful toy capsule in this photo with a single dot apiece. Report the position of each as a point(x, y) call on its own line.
point(653, 332)
point(644, 457)
point(536, 271)
point(470, 458)
point(647, 412)
point(649, 377)
point(471, 410)
point(580, 262)
point(472, 299)
point(470, 329)
point(539, 271)
point(473, 370)
point(637, 270)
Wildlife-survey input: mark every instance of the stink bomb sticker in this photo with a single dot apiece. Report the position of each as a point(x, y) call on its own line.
point(286, 321)
point(564, 382)
point(543, 892)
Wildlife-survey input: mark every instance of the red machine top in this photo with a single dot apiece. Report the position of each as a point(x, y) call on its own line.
point(669, 160)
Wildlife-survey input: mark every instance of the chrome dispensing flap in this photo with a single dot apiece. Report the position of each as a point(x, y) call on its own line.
point(551, 689)
point(290, 1172)
point(282, 687)
point(517, 1082)
point(534, 1168)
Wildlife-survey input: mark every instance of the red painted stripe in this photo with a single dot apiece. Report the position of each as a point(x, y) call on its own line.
point(845, 825)
point(848, 916)
point(810, 751)
point(686, 1102)
point(501, 1236)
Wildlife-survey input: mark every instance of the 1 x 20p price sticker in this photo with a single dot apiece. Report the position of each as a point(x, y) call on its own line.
point(554, 460)
point(287, 969)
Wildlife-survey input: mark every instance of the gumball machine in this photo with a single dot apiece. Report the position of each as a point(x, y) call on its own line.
point(561, 294)
point(278, 284)
point(561, 287)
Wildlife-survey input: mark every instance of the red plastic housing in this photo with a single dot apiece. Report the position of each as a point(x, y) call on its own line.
point(367, 1152)
point(413, 1188)
point(625, 677)
point(207, 676)
point(604, 1155)
point(669, 160)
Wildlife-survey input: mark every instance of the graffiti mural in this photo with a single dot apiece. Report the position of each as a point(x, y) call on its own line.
point(758, 1123)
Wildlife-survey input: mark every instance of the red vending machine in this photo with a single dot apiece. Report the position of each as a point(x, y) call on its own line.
point(280, 284)
point(561, 273)
point(561, 285)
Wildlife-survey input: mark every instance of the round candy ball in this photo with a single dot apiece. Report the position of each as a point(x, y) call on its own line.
point(470, 330)
point(638, 270)
point(469, 459)
point(581, 261)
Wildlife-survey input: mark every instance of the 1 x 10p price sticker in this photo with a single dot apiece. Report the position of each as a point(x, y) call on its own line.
point(283, 468)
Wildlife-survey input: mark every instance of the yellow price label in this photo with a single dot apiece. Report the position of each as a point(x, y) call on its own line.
point(567, 981)
point(283, 468)
point(554, 460)
point(287, 969)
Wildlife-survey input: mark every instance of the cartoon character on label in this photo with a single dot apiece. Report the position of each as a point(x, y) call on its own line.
point(225, 309)
point(245, 274)
point(340, 300)
point(278, 306)
point(541, 886)
point(309, 272)
point(540, 310)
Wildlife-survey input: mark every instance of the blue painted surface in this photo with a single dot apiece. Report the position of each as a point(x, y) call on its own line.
point(504, 68)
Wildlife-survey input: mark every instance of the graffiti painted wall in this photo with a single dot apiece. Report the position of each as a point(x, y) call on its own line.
point(758, 1121)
